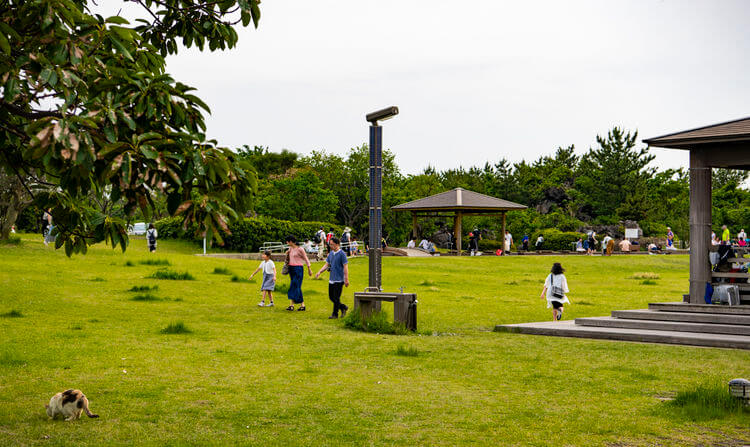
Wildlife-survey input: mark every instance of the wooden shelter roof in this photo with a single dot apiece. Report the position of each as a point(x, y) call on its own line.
point(727, 132)
point(460, 199)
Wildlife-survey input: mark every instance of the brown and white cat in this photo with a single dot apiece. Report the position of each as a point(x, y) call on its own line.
point(70, 404)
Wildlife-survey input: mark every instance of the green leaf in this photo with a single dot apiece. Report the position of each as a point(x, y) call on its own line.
point(118, 20)
point(45, 74)
point(68, 247)
point(149, 153)
point(4, 44)
point(148, 136)
point(120, 47)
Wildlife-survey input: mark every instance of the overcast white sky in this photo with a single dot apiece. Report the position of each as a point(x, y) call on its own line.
point(475, 81)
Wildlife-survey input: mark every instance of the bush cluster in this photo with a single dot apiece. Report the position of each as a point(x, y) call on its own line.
point(248, 234)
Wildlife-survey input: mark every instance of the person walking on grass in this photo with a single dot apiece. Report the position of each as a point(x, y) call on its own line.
point(151, 236)
point(47, 218)
point(555, 288)
point(338, 265)
point(269, 279)
point(297, 260)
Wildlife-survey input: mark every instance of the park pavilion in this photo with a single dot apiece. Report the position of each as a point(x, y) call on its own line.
point(457, 203)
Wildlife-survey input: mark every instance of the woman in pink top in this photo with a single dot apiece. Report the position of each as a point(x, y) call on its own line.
point(297, 259)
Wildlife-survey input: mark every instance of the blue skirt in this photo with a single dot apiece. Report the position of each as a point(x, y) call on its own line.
point(296, 273)
point(268, 282)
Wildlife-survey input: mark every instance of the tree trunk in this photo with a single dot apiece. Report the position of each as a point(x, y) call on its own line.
point(17, 201)
point(11, 214)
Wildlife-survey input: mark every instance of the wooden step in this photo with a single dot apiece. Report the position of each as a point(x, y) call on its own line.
point(730, 275)
point(657, 325)
point(570, 329)
point(710, 318)
point(738, 260)
point(700, 308)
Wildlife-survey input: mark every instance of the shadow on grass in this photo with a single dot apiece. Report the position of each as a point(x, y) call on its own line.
point(146, 297)
point(143, 288)
point(154, 262)
point(12, 314)
point(171, 274)
point(176, 328)
point(378, 323)
point(404, 351)
point(222, 271)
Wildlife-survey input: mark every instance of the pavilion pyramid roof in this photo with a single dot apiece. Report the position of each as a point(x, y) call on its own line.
point(459, 199)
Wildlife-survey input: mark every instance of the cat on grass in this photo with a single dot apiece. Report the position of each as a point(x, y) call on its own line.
point(70, 404)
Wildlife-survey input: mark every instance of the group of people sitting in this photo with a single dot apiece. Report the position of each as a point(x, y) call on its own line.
point(726, 239)
point(425, 244)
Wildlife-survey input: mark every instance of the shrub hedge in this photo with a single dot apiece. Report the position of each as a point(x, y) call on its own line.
point(556, 240)
point(248, 234)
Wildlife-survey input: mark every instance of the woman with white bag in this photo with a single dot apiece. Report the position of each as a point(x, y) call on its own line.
point(555, 288)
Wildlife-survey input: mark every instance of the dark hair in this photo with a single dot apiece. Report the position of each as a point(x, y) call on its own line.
point(150, 226)
point(267, 253)
point(557, 269)
point(291, 239)
point(335, 240)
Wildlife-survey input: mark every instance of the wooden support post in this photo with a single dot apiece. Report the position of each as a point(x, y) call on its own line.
point(457, 231)
point(505, 252)
point(700, 225)
point(414, 228)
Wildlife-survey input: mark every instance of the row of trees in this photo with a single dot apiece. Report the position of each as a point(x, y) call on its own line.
point(610, 183)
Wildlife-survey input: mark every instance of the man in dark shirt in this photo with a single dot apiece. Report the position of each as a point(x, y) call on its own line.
point(338, 264)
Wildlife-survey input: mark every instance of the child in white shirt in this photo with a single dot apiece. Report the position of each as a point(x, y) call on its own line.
point(269, 279)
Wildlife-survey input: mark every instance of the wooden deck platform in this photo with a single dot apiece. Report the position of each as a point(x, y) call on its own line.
point(706, 325)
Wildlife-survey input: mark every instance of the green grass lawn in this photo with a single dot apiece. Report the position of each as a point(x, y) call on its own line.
point(236, 374)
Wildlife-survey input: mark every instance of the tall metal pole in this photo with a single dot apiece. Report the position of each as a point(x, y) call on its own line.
point(376, 206)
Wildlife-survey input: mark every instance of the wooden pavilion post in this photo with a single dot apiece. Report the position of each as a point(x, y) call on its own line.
point(414, 228)
point(700, 224)
point(457, 230)
point(503, 239)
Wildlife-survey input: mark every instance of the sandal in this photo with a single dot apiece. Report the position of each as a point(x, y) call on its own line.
point(301, 308)
point(290, 308)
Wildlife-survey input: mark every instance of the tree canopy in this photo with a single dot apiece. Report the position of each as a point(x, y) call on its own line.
point(87, 109)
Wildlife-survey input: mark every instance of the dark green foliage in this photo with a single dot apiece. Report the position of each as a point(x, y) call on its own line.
point(98, 279)
point(299, 197)
point(407, 351)
point(146, 297)
point(648, 282)
point(222, 271)
point(490, 245)
point(248, 234)
point(92, 121)
point(143, 288)
point(237, 278)
point(12, 314)
point(378, 322)
point(176, 328)
point(556, 240)
point(129, 264)
point(171, 274)
point(268, 163)
point(613, 177)
point(707, 401)
point(154, 262)
point(12, 240)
